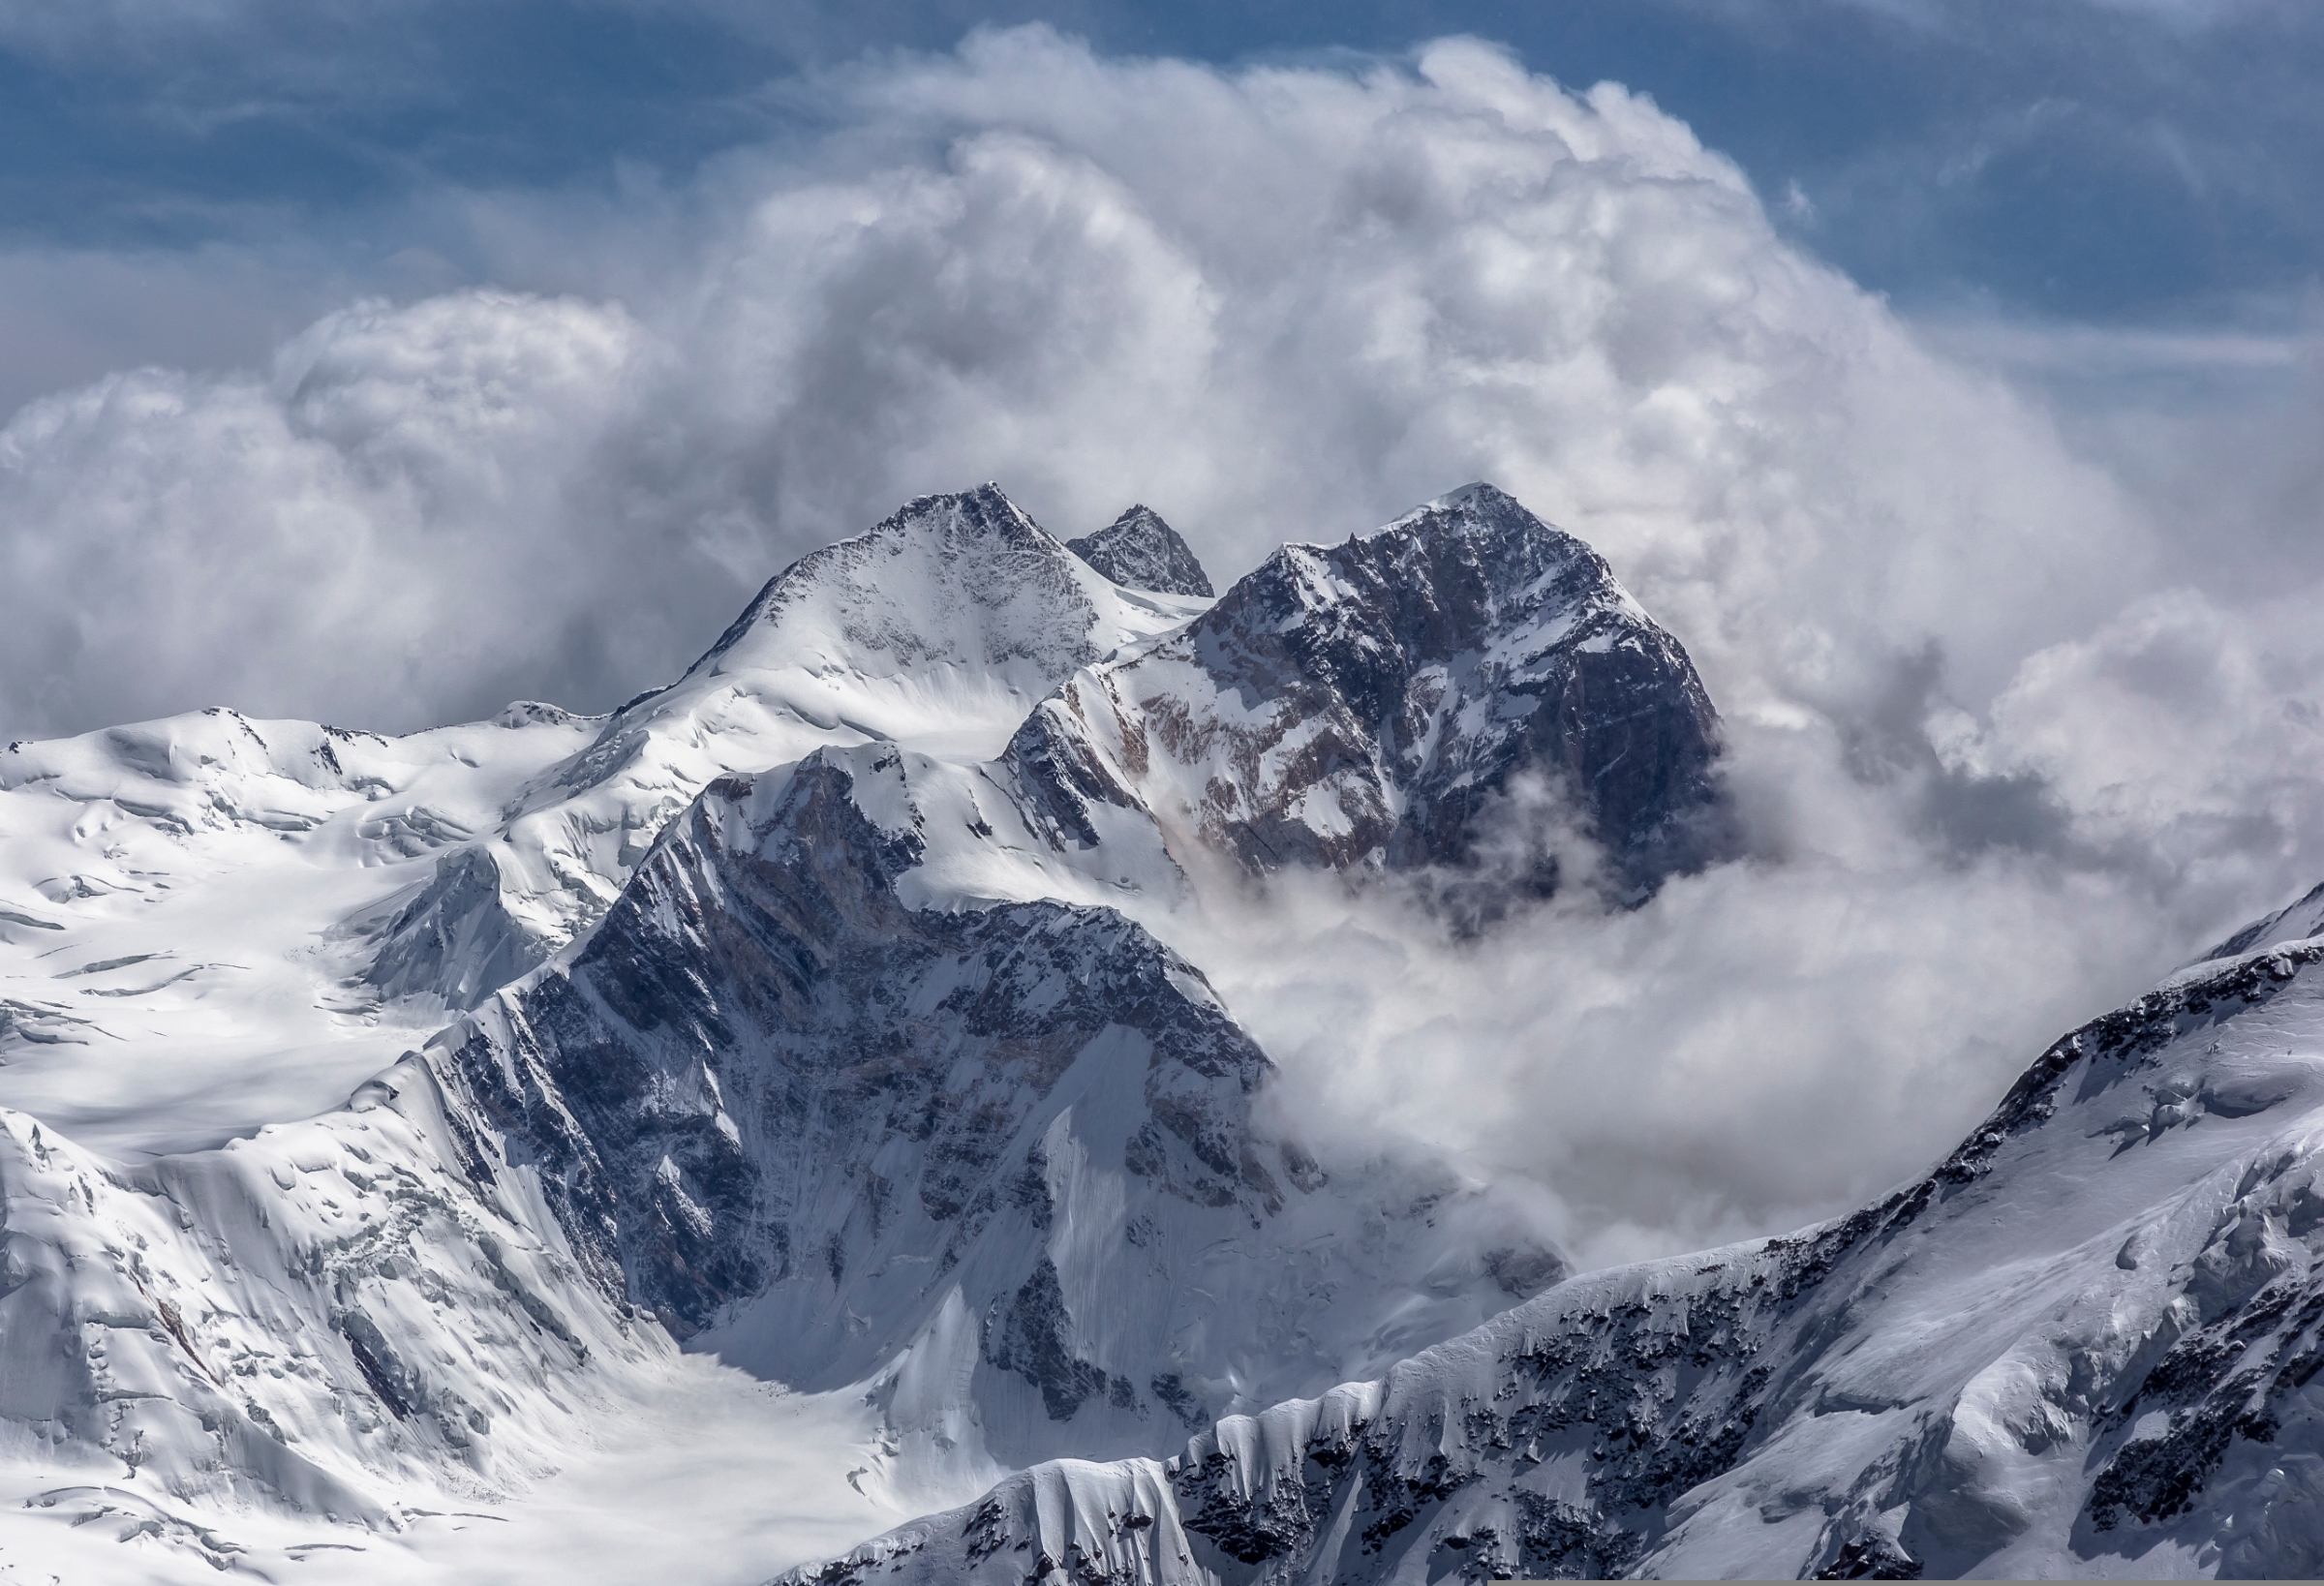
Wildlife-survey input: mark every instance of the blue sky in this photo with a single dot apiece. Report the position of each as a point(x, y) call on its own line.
point(2158, 163)
point(2114, 207)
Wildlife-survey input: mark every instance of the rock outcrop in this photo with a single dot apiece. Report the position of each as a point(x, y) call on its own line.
point(1138, 551)
point(1414, 698)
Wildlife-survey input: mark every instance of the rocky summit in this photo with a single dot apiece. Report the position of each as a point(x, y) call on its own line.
point(1138, 551)
point(812, 1071)
point(1391, 702)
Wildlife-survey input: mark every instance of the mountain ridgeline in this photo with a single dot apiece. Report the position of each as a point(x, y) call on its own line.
point(820, 1010)
point(1378, 704)
point(807, 1011)
point(1370, 706)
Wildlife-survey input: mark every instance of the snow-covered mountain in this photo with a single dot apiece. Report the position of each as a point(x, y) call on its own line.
point(1383, 702)
point(255, 915)
point(939, 627)
point(850, 1064)
point(388, 1118)
point(999, 1160)
point(2087, 1343)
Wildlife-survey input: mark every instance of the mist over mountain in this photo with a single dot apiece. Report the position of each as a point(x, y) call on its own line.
point(842, 1065)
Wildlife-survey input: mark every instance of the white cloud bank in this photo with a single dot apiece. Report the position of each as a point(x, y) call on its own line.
point(1998, 775)
point(1274, 303)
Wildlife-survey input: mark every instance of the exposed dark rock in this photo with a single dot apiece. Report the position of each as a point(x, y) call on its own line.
point(1032, 1336)
point(1138, 551)
point(1453, 692)
point(760, 1011)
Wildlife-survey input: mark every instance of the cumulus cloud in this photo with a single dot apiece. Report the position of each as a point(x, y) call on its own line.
point(1999, 769)
point(404, 498)
point(1759, 1046)
point(1279, 303)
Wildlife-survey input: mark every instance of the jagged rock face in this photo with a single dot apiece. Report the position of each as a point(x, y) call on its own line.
point(1138, 551)
point(2087, 1343)
point(761, 987)
point(1375, 703)
point(821, 1131)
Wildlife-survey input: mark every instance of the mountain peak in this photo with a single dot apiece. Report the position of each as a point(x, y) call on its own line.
point(937, 627)
point(1392, 701)
point(1478, 495)
point(1138, 551)
point(1484, 510)
point(968, 549)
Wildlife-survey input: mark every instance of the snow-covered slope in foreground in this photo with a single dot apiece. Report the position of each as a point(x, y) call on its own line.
point(2087, 1344)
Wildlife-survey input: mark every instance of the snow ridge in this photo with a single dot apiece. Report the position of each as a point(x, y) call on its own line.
point(2085, 1344)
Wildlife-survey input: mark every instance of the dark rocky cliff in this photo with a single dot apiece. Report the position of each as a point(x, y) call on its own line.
point(1138, 551)
point(1409, 699)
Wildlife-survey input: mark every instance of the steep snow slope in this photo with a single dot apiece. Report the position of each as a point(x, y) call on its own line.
point(358, 1343)
point(1383, 702)
point(998, 1160)
point(326, 1317)
point(2086, 1343)
point(937, 628)
point(703, 1476)
point(176, 958)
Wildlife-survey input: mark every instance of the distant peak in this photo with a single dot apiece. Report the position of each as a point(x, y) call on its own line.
point(1477, 493)
point(986, 508)
point(1479, 504)
point(1138, 551)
